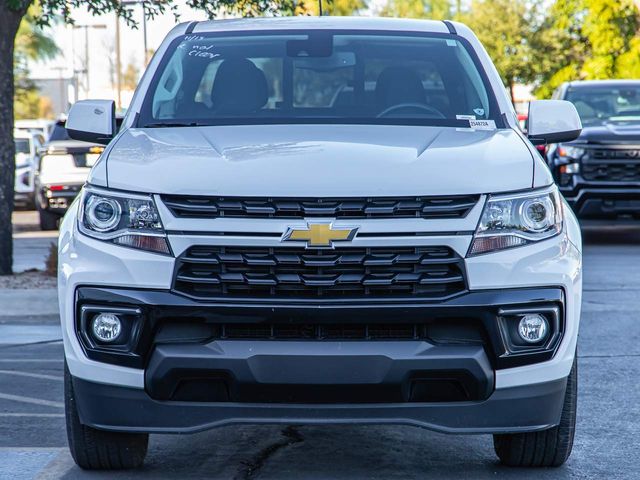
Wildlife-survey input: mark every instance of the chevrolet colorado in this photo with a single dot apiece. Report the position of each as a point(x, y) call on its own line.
point(320, 220)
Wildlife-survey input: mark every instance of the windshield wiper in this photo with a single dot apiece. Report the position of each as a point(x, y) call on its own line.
point(174, 124)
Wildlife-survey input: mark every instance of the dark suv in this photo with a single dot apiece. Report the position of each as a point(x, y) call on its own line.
point(599, 173)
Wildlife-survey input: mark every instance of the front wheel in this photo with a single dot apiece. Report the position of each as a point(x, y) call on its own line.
point(548, 448)
point(94, 449)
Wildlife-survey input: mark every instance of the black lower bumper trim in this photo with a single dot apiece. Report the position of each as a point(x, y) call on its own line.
point(518, 409)
point(326, 373)
point(604, 202)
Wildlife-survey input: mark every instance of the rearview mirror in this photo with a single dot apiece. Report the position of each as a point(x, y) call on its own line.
point(553, 121)
point(92, 121)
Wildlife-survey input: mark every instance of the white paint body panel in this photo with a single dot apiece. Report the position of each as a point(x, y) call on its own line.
point(322, 161)
point(319, 160)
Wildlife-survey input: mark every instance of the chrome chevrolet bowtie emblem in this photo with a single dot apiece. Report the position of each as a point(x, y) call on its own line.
point(320, 234)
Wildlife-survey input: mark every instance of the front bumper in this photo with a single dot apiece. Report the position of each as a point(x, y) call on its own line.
point(445, 382)
point(515, 409)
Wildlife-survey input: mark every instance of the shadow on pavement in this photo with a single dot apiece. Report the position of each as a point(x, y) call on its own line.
point(610, 232)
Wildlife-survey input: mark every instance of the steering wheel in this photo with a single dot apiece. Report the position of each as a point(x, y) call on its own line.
point(415, 106)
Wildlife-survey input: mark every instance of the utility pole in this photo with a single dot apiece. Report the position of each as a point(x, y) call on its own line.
point(118, 65)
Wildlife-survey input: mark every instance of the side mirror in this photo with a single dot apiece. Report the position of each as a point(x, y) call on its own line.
point(553, 121)
point(92, 121)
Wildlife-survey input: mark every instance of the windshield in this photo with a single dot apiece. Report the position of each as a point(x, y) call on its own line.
point(22, 145)
point(318, 77)
point(598, 105)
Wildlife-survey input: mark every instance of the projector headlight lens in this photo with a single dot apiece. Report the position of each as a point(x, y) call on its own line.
point(103, 214)
point(515, 220)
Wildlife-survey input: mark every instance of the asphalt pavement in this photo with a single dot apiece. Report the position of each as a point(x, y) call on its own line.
point(33, 440)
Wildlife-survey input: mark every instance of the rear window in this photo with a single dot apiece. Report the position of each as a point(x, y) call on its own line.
point(318, 77)
point(22, 145)
point(59, 133)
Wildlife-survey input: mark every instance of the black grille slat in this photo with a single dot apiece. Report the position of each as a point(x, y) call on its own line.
point(408, 207)
point(329, 332)
point(611, 165)
point(286, 272)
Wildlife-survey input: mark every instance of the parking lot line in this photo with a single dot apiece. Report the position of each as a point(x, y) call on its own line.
point(32, 375)
point(35, 401)
point(31, 360)
point(37, 415)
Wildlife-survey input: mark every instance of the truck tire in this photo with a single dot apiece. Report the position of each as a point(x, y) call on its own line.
point(48, 220)
point(94, 449)
point(548, 448)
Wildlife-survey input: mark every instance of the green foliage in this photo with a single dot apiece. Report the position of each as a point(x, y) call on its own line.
point(329, 7)
point(31, 43)
point(507, 29)
point(591, 39)
point(431, 9)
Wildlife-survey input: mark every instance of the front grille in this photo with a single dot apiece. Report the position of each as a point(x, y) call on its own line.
point(211, 271)
point(608, 165)
point(404, 207)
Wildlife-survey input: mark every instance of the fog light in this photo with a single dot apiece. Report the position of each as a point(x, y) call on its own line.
point(106, 327)
point(533, 328)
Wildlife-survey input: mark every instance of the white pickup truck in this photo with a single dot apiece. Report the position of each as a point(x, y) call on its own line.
point(320, 220)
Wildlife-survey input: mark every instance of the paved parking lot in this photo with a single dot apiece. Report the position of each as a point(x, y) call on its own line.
point(33, 442)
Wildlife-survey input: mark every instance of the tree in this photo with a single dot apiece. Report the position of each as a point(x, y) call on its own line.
point(32, 43)
point(431, 9)
point(330, 7)
point(508, 29)
point(591, 39)
point(11, 14)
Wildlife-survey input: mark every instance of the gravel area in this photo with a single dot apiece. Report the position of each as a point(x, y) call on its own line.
point(27, 280)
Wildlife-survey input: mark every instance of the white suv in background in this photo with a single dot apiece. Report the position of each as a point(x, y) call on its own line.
point(320, 220)
point(28, 147)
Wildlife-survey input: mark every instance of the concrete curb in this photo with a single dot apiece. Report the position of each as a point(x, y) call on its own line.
point(28, 303)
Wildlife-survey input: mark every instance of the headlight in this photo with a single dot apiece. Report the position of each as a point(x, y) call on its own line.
point(569, 151)
point(513, 220)
point(124, 219)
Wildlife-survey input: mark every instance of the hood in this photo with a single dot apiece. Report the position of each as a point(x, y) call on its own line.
point(319, 161)
point(610, 133)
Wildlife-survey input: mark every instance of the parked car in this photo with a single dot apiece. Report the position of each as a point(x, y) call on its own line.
point(599, 172)
point(63, 170)
point(27, 157)
point(42, 127)
point(261, 244)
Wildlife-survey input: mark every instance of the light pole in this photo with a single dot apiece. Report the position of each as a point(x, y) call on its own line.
point(86, 28)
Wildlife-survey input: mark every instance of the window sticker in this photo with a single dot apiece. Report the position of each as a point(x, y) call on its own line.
point(482, 124)
point(479, 111)
point(465, 117)
point(452, 43)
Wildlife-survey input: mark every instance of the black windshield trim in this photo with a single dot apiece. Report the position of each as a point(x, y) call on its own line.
point(145, 116)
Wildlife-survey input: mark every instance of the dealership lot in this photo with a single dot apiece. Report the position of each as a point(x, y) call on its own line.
point(33, 441)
